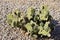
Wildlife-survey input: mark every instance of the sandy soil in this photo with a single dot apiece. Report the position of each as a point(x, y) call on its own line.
point(7, 6)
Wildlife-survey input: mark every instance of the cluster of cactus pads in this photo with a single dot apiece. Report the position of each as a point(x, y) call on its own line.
point(36, 23)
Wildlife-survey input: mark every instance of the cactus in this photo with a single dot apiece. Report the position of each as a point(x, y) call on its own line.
point(16, 13)
point(30, 12)
point(34, 22)
point(28, 27)
point(14, 18)
point(9, 18)
point(43, 14)
point(40, 28)
point(45, 30)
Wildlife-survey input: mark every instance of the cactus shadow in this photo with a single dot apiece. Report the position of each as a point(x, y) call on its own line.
point(55, 22)
point(56, 32)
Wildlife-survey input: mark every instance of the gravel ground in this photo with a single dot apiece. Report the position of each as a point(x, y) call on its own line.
point(7, 6)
